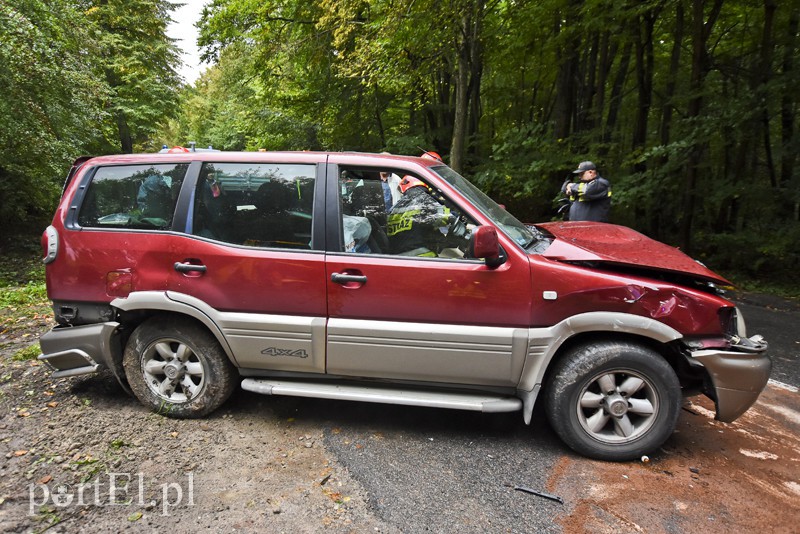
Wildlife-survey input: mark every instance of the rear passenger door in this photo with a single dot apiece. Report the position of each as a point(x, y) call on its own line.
point(252, 253)
point(121, 220)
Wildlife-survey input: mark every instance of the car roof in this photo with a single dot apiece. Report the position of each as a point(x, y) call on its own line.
point(347, 158)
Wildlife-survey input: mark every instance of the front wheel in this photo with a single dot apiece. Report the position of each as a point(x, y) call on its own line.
point(177, 368)
point(613, 400)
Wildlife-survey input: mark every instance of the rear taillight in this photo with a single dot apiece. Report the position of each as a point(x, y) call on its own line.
point(50, 244)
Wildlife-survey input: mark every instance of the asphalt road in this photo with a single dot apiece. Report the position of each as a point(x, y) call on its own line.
point(778, 320)
point(432, 470)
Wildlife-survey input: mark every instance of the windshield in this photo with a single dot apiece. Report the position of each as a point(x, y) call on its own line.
point(521, 234)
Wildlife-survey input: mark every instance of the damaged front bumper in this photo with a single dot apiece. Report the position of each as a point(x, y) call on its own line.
point(738, 375)
point(79, 350)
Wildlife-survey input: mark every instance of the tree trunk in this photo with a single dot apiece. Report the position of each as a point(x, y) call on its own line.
point(567, 57)
point(461, 109)
point(125, 140)
point(607, 53)
point(788, 156)
point(701, 30)
point(659, 219)
point(644, 82)
point(767, 46)
point(585, 112)
point(672, 77)
point(469, 66)
point(615, 100)
point(474, 97)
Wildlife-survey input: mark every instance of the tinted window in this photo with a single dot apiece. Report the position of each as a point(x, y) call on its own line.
point(132, 196)
point(258, 205)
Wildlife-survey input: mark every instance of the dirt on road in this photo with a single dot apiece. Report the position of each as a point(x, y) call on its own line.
point(79, 454)
point(709, 477)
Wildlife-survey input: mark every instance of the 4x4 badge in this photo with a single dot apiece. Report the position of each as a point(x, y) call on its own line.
point(274, 351)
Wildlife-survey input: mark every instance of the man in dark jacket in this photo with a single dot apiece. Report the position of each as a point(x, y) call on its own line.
point(590, 198)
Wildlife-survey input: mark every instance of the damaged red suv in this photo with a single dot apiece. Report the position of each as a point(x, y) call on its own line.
point(381, 278)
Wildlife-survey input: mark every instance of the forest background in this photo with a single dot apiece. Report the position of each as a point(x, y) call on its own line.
point(689, 107)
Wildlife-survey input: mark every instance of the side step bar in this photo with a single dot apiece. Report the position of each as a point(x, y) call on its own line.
point(478, 402)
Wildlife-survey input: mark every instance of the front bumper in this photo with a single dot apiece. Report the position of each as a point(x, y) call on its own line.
point(78, 350)
point(738, 378)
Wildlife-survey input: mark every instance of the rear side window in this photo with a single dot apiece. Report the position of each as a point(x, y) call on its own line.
point(133, 196)
point(255, 205)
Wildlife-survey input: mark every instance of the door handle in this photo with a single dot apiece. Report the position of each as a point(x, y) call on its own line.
point(339, 278)
point(189, 268)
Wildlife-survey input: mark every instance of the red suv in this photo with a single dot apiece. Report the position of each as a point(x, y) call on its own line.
point(380, 278)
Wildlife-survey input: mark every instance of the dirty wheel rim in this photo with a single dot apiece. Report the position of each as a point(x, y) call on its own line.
point(173, 371)
point(617, 406)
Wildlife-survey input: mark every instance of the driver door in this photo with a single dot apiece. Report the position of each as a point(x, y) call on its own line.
point(432, 319)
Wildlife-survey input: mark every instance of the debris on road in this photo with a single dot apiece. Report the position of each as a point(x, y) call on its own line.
point(538, 493)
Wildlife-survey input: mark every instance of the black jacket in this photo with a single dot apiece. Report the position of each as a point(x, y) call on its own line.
point(589, 201)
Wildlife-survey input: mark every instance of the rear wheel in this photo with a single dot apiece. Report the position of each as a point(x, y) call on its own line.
point(177, 368)
point(613, 400)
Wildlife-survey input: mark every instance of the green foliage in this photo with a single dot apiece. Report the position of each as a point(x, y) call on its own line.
point(27, 295)
point(118, 443)
point(138, 63)
point(696, 134)
point(28, 353)
point(692, 114)
point(21, 265)
point(50, 95)
point(526, 163)
point(90, 77)
point(754, 261)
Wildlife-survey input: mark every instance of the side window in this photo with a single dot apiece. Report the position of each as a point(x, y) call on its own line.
point(386, 212)
point(132, 196)
point(257, 205)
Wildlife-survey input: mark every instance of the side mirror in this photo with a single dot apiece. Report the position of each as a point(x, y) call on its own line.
point(486, 245)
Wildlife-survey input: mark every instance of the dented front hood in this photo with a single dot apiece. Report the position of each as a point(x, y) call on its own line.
point(609, 243)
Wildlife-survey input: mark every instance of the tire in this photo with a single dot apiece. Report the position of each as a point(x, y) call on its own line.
point(613, 400)
point(177, 368)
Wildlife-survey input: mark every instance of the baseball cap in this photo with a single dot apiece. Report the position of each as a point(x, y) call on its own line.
point(585, 166)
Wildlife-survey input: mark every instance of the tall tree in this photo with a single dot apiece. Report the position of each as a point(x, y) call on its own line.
point(701, 31)
point(139, 63)
point(789, 102)
point(50, 101)
point(468, 74)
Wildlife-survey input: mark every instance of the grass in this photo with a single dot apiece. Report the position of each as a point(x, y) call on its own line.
point(28, 353)
point(30, 294)
point(22, 282)
point(23, 301)
point(779, 288)
point(21, 265)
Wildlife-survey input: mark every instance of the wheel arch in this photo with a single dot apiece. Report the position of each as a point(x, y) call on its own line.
point(547, 346)
point(140, 306)
point(665, 350)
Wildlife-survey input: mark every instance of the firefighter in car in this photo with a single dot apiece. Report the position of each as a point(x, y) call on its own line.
point(420, 225)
